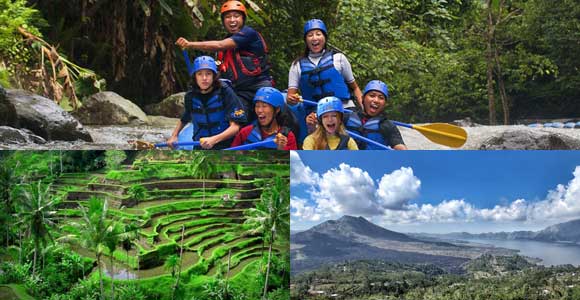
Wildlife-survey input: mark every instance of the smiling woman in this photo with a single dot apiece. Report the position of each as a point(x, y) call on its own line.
point(243, 54)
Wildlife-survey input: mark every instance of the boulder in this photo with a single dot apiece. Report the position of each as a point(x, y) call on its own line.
point(44, 117)
point(171, 106)
point(7, 110)
point(465, 122)
point(108, 108)
point(10, 135)
point(525, 139)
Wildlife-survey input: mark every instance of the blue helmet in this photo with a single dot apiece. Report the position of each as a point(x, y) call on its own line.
point(271, 96)
point(204, 63)
point(377, 85)
point(328, 104)
point(315, 24)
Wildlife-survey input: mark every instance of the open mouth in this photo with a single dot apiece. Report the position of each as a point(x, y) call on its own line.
point(315, 45)
point(262, 119)
point(331, 127)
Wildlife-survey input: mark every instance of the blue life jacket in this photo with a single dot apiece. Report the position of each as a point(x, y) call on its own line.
point(342, 145)
point(209, 118)
point(370, 129)
point(256, 136)
point(317, 82)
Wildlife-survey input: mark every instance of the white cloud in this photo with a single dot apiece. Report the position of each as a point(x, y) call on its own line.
point(300, 173)
point(398, 188)
point(350, 190)
point(561, 204)
point(299, 208)
point(347, 190)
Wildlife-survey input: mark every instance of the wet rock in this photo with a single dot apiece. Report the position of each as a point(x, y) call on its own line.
point(171, 106)
point(521, 139)
point(161, 121)
point(44, 117)
point(7, 110)
point(11, 135)
point(108, 108)
point(465, 122)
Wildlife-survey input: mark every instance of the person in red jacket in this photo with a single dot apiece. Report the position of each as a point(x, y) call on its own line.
point(243, 54)
point(273, 122)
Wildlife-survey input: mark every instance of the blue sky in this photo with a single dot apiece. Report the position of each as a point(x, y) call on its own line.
point(437, 191)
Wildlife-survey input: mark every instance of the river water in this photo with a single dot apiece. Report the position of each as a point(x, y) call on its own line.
point(550, 253)
point(117, 137)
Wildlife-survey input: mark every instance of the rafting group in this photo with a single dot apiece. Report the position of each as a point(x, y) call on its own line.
point(233, 102)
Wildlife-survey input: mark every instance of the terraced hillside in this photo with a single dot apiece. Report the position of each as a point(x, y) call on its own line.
point(178, 206)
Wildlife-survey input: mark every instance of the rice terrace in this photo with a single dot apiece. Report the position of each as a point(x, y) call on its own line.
point(144, 225)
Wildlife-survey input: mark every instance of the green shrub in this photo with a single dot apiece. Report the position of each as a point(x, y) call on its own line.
point(14, 273)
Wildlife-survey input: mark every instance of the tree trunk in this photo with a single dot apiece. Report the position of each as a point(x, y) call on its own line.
point(100, 276)
point(502, 92)
point(489, 61)
point(112, 278)
point(34, 259)
point(20, 243)
point(228, 272)
point(180, 262)
point(268, 265)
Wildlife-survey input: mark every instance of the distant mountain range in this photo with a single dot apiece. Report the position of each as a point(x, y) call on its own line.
point(351, 238)
point(568, 232)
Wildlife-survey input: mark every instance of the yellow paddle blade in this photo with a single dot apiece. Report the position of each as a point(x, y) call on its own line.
point(142, 145)
point(443, 134)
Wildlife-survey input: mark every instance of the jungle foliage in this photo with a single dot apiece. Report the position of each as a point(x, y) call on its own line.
point(493, 61)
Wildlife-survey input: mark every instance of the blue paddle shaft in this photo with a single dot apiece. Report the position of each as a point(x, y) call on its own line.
point(253, 145)
point(367, 140)
point(188, 63)
point(177, 144)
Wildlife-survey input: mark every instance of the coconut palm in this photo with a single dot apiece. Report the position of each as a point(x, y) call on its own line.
point(127, 238)
point(271, 216)
point(171, 264)
point(203, 168)
point(93, 232)
point(37, 213)
point(7, 181)
point(114, 233)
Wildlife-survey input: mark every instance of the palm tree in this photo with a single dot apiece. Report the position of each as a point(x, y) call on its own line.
point(137, 192)
point(272, 215)
point(114, 232)
point(7, 182)
point(93, 232)
point(36, 211)
point(130, 234)
point(203, 168)
point(171, 264)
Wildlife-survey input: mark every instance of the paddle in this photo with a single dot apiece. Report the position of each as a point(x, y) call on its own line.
point(142, 145)
point(439, 133)
point(267, 142)
point(188, 62)
point(367, 140)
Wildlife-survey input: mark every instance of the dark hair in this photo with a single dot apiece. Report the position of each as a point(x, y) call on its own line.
point(216, 84)
point(307, 51)
point(286, 118)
